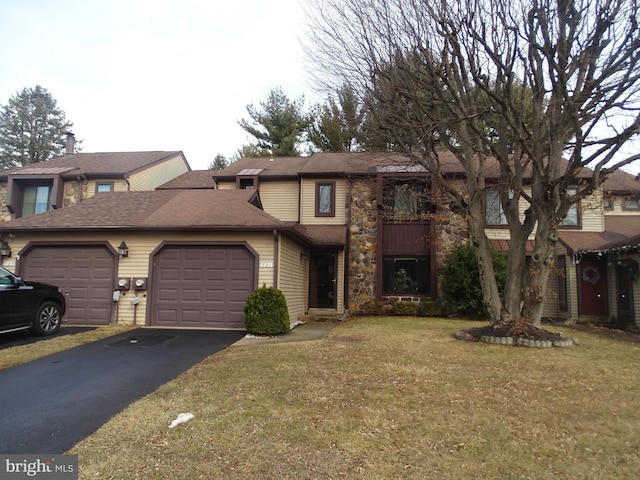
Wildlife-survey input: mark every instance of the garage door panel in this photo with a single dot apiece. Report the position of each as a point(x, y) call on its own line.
point(84, 273)
point(209, 292)
point(192, 274)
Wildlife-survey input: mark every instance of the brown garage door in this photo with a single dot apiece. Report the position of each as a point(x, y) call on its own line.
point(85, 274)
point(201, 286)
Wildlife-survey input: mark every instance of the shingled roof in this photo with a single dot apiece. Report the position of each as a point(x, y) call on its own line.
point(95, 164)
point(154, 210)
point(171, 210)
point(191, 179)
point(619, 230)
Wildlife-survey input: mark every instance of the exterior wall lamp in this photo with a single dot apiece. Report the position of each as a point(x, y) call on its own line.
point(5, 249)
point(123, 250)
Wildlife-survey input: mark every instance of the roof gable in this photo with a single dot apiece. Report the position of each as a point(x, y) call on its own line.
point(95, 164)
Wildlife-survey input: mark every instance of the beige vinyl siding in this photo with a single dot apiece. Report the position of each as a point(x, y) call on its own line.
point(591, 213)
point(280, 199)
point(137, 264)
point(293, 277)
point(591, 218)
point(611, 285)
point(156, 175)
point(340, 282)
point(226, 185)
point(308, 202)
point(119, 185)
point(636, 295)
point(618, 207)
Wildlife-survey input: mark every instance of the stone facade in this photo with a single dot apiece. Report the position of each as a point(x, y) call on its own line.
point(5, 216)
point(450, 231)
point(363, 231)
point(74, 193)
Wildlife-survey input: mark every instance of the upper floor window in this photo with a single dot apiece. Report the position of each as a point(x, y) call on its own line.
point(36, 199)
point(246, 183)
point(104, 187)
point(631, 203)
point(494, 214)
point(405, 200)
point(573, 217)
point(326, 199)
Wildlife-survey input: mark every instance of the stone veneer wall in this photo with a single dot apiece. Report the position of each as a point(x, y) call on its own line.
point(450, 231)
point(5, 216)
point(363, 230)
point(74, 193)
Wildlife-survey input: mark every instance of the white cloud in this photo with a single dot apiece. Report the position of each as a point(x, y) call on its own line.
point(154, 75)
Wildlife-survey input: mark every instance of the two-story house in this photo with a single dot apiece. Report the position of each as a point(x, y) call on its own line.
point(334, 232)
point(68, 180)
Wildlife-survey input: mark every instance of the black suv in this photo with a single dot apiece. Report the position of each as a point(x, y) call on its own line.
point(29, 305)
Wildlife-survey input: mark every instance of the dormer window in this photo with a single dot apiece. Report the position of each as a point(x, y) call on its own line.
point(246, 183)
point(36, 199)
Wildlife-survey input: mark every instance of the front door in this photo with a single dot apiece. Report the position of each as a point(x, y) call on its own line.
point(322, 280)
point(592, 287)
point(624, 292)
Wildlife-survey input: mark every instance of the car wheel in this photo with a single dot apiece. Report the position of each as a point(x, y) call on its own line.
point(48, 319)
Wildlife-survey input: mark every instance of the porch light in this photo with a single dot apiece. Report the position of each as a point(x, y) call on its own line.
point(5, 249)
point(123, 250)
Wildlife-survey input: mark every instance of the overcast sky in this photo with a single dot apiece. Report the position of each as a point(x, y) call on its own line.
point(135, 75)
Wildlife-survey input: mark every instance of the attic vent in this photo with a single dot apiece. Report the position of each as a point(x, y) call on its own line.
point(250, 171)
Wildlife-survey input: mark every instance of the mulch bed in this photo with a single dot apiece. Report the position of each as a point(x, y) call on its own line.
point(542, 334)
point(501, 331)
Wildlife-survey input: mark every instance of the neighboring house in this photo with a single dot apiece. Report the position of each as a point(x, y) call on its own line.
point(70, 179)
point(334, 231)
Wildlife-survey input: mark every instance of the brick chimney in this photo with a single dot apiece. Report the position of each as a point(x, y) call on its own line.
point(71, 144)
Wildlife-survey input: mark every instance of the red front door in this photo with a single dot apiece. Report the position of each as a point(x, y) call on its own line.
point(592, 287)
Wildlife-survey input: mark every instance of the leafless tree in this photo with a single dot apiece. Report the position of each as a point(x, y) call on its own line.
point(524, 94)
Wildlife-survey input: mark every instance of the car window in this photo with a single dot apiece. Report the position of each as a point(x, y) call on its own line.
point(5, 279)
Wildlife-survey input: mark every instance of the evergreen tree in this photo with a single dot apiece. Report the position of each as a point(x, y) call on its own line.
point(32, 128)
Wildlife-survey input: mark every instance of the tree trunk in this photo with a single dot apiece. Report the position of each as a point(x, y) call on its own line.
point(480, 245)
point(542, 264)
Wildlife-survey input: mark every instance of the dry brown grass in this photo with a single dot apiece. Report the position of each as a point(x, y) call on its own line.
point(13, 356)
point(385, 398)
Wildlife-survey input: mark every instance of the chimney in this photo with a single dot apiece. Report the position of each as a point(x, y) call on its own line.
point(71, 144)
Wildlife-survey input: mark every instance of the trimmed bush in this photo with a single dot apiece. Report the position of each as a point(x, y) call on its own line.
point(373, 307)
point(430, 308)
point(460, 277)
point(405, 308)
point(266, 312)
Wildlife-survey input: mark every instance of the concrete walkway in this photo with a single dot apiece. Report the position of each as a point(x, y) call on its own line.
point(309, 331)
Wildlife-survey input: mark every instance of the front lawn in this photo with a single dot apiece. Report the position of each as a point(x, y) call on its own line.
point(384, 398)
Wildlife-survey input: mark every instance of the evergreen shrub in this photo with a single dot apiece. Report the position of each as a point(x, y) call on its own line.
point(430, 308)
point(266, 312)
point(460, 277)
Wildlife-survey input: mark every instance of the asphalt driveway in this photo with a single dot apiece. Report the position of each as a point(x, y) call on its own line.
point(49, 404)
